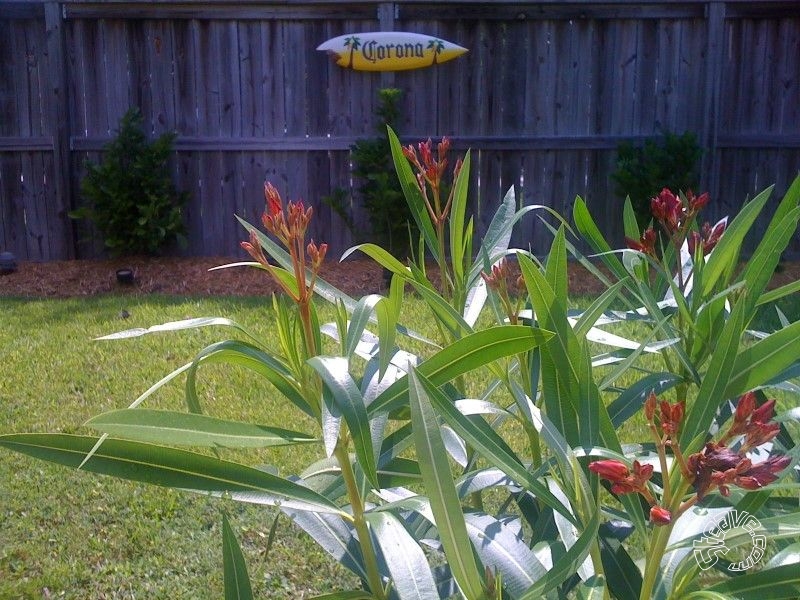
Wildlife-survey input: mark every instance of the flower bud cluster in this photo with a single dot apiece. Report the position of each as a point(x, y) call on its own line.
point(717, 466)
point(430, 173)
point(289, 224)
point(501, 280)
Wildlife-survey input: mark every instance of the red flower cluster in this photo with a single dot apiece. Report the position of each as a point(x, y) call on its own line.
point(669, 210)
point(705, 239)
point(289, 225)
point(430, 171)
point(669, 415)
point(717, 465)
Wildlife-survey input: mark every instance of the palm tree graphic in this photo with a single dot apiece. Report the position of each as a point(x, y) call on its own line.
point(353, 42)
point(437, 46)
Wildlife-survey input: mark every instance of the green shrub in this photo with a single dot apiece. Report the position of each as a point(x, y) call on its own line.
point(130, 196)
point(380, 189)
point(669, 161)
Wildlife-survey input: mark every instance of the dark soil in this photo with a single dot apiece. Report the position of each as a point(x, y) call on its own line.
point(191, 276)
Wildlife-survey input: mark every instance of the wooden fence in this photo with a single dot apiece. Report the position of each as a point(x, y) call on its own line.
point(543, 97)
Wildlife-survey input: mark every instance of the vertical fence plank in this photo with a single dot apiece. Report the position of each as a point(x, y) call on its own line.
point(552, 90)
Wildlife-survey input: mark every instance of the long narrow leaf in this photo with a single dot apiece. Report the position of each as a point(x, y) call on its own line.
point(411, 576)
point(334, 372)
point(761, 362)
point(408, 182)
point(712, 390)
point(241, 354)
point(442, 492)
point(169, 467)
point(458, 212)
point(779, 582)
point(489, 444)
point(725, 256)
point(468, 353)
point(187, 429)
point(237, 581)
point(334, 536)
point(501, 550)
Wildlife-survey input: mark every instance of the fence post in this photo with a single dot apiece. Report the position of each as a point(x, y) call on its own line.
point(387, 13)
point(715, 55)
point(58, 112)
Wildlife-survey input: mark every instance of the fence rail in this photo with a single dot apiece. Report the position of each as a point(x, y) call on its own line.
point(543, 97)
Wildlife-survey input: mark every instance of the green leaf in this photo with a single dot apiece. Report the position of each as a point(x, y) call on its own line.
point(241, 354)
point(442, 493)
point(778, 293)
point(724, 259)
point(489, 444)
point(762, 263)
point(380, 256)
point(168, 467)
point(408, 566)
point(624, 579)
point(501, 550)
point(588, 229)
point(780, 582)
point(348, 398)
point(466, 354)
point(457, 217)
point(177, 326)
point(334, 536)
point(556, 268)
point(237, 581)
point(187, 429)
point(759, 363)
point(408, 182)
point(568, 563)
point(593, 588)
point(700, 413)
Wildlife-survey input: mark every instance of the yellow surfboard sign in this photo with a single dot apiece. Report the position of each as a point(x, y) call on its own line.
point(389, 50)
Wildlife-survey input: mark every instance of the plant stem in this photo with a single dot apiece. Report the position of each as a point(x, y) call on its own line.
point(658, 543)
point(364, 536)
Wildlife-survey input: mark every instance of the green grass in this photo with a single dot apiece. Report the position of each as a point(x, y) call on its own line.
point(85, 536)
point(75, 535)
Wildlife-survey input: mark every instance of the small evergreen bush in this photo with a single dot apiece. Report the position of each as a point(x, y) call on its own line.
point(669, 161)
point(380, 188)
point(130, 196)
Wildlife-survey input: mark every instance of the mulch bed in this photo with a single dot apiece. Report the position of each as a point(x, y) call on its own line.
point(191, 277)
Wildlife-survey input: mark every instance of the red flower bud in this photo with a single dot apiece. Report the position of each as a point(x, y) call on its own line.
point(764, 413)
point(613, 470)
point(744, 408)
point(274, 202)
point(660, 516)
point(696, 203)
point(650, 407)
point(763, 473)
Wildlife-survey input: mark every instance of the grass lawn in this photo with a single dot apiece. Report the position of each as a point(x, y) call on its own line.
point(76, 535)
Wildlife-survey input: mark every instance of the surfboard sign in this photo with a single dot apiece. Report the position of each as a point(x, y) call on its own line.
point(389, 50)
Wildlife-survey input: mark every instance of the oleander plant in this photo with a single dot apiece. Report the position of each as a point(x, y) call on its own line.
point(500, 460)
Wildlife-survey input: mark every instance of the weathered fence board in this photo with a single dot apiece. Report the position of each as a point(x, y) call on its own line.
point(544, 95)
